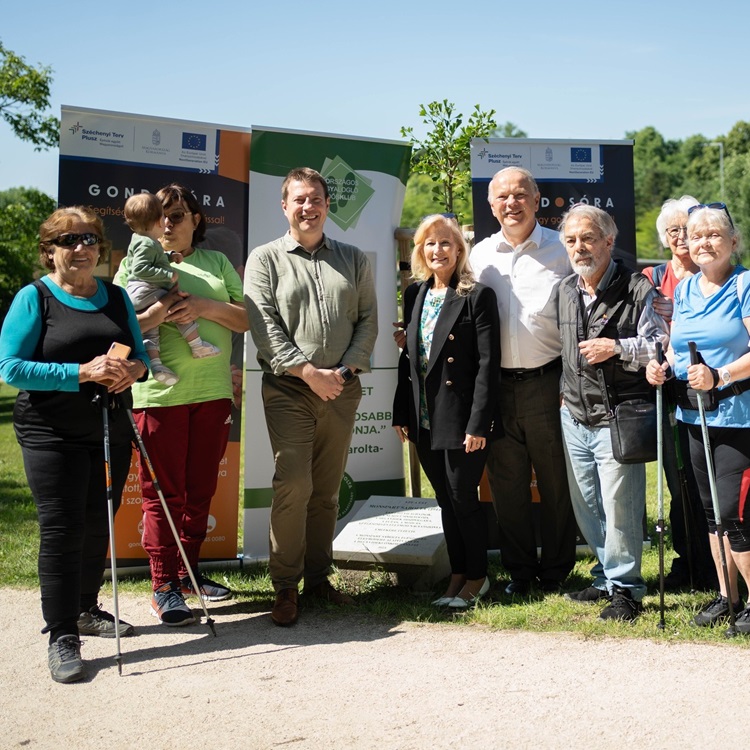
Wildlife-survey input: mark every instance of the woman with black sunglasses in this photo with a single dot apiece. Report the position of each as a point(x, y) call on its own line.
point(54, 347)
point(712, 309)
point(185, 426)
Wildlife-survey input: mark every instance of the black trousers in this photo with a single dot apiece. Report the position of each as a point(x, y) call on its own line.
point(533, 436)
point(455, 476)
point(730, 452)
point(698, 545)
point(69, 489)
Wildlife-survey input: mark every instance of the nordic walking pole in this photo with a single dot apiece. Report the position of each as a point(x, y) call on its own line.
point(660, 483)
point(103, 396)
point(694, 360)
point(165, 508)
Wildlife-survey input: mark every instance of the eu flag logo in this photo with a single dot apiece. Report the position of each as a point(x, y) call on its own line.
point(197, 142)
point(580, 154)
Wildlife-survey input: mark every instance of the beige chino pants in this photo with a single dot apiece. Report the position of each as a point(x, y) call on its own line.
point(310, 439)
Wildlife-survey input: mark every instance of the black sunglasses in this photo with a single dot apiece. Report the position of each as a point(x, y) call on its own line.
point(719, 206)
point(73, 240)
point(177, 217)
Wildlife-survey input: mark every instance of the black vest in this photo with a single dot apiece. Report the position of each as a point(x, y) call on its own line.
point(56, 418)
point(614, 315)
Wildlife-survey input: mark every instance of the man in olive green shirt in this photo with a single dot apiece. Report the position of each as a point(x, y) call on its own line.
point(313, 318)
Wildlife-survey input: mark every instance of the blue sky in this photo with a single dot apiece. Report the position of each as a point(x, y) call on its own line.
point(555, 69)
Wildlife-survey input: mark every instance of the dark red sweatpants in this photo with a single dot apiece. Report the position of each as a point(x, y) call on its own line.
point(185, 445)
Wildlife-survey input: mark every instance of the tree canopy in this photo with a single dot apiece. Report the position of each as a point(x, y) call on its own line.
point(22, 210)
point(24, 100)
point(443, 154)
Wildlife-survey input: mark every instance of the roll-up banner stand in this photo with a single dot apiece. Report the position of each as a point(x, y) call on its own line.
point(567, 172)
point(105, 157)
point(367, 183)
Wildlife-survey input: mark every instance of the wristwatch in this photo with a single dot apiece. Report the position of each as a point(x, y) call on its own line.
point(617, 349)
point(345, 372)
point(725, 376)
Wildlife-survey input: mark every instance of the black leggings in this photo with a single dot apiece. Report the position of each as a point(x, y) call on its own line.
point(455, 475)
point(69, 490)
point(730, 451)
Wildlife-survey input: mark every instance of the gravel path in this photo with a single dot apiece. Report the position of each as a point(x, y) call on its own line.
point(344, 681)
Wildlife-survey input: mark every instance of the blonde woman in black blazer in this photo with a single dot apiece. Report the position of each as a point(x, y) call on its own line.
point(446, 398)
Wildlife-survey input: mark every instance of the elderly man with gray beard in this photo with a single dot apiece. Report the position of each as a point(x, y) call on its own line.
point(607, 320)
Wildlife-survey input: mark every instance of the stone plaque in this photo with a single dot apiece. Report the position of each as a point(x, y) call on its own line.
point(396, 533)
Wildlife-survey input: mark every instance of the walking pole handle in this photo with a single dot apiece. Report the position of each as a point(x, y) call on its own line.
point(659, 352)
point(695, 358)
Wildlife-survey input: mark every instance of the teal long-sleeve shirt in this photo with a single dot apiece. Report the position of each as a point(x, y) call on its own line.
point(22, 329)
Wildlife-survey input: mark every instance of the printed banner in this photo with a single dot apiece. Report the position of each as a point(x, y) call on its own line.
point(367, 182)
point(567, 172)
point(105, 157)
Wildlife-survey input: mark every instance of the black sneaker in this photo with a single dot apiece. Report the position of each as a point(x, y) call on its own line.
point(64, 659)
point(622, 606)
point(96, 621)
point(168, 605)
point(210, 590)
point(717, 609)
point(742, 621)
point(588, 595)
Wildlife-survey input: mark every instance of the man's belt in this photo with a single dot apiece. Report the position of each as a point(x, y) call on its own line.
point(532, 372)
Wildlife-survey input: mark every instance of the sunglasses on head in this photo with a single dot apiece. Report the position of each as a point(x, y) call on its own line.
point(73, 240)
point(177, 217)
point(719, 206)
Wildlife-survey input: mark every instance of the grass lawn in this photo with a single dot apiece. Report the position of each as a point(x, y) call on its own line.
point(376, 593)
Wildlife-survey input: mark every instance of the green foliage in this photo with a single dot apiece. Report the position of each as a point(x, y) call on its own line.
point(509, 130)
point(646, 236)
point(24, 99)
point(19, 532)
point(656, 164)
point(443, 155)
point(419, 201)
point(669, 169)
point(737, 140)
point(22, 210)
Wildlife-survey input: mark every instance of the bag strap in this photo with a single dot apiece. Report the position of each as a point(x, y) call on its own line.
point(605, 395)
point(657, 275)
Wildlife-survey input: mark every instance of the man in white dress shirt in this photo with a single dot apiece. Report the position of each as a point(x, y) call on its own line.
point(524, 263)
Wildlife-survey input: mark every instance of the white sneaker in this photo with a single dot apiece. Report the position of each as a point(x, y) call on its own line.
point(204, 350)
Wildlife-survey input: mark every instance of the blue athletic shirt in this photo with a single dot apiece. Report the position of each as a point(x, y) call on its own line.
point(716, 325)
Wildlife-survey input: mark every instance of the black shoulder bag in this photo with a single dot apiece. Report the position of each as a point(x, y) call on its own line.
point(632, 425)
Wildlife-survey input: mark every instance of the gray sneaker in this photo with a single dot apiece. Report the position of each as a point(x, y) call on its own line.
point(64, 659)
point(211, 591)
point(716, 611)
point(742, 621)
point(96, 621)
point(168, 605)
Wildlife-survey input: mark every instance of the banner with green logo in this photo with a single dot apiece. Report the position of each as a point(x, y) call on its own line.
point(367, 182)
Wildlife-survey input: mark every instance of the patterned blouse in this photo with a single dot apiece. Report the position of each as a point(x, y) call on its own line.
point(433, 304)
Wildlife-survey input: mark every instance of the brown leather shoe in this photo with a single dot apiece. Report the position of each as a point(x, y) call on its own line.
point(326, 592)
point(285, 609)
